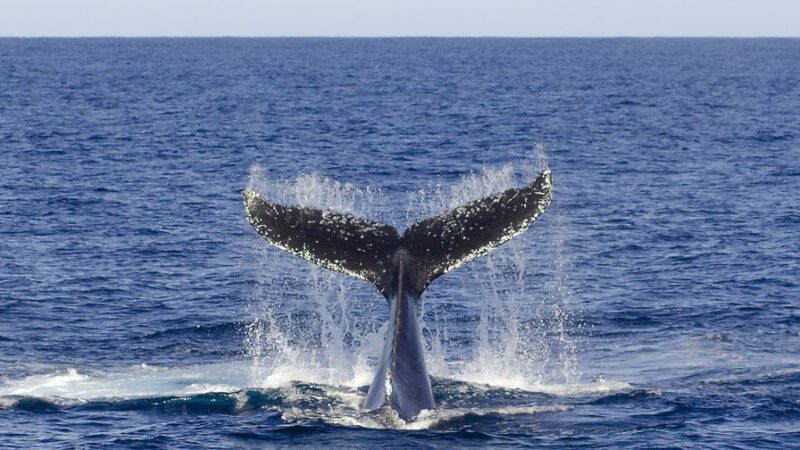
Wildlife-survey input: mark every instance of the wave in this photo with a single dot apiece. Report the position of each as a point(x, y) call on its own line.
point(239, 387)
point(234, 388)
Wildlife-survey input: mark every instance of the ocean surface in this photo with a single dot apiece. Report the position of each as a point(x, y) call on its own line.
point(655, 304)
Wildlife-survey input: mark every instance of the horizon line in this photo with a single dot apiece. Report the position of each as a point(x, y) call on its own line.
point(389, 37)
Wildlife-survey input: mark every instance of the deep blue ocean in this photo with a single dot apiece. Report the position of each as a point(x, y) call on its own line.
point(655, 304)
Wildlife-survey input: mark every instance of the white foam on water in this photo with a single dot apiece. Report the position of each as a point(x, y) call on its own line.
point(429, 418)
point(336, 405)
point(135, 382)
point(229, 377)
point(595, 387)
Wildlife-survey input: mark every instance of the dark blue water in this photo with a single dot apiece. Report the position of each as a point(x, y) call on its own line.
point(655, 305)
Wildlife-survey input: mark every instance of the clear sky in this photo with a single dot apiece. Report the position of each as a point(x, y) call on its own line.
point(400, 18)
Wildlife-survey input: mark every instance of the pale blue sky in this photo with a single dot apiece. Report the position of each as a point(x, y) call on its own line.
point(400, 18)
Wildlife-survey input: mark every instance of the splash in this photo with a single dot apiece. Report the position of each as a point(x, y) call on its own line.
point(311, 324)
point(315, 190)
point(504, 320)
point(526, 335)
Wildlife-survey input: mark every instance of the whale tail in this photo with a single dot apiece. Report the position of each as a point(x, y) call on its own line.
point(401, 267)
point(365, 249)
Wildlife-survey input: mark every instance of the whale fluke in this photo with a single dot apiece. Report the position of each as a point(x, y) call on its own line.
point(450, 240)
point(342, 242)
point(363, 248)
point(401, 267)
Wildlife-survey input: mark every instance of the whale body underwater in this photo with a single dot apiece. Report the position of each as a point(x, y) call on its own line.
point(400, 267)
